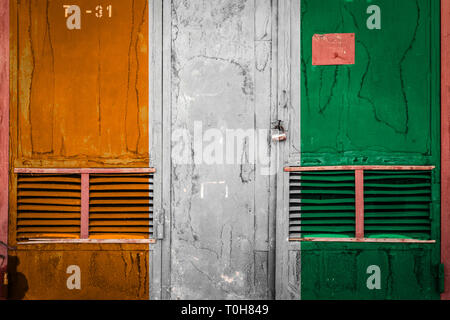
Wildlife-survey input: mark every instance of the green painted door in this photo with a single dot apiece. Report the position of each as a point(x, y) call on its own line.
point(382, 110)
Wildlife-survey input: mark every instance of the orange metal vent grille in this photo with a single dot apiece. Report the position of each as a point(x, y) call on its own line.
point(121, 206)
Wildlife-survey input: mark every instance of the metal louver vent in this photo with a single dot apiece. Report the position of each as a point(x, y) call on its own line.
point(397, 204)
point(121, 206)
point(322, 204)
point(48, 206)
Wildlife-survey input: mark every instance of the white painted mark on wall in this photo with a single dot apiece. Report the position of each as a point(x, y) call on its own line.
point(374, 280)
point(374, 21)
point(204, 184)
point(74, 280)
point(72, 13)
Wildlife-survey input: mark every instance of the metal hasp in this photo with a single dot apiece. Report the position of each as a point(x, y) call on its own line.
point(4, 142)
point(445, 144)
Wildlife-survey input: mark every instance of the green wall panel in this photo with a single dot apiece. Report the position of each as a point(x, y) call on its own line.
point(379, 110)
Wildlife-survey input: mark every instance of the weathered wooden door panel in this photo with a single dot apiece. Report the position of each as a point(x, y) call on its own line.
point(79, 99)
point(221, 208)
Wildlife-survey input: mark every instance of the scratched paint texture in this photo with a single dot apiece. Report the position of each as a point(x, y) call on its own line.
point(221, 76)
point(82, 94)
point(339, 271)
point(381, 111)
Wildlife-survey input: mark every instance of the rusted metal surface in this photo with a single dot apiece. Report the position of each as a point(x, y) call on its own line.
point(445, 144)
point(333, 49)
point(105, 271)
point(4, 141)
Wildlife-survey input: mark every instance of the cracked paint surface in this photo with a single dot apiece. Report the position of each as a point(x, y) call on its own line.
point(80, 99)
point(69, 110)
point(380, 105)
point(214, 81)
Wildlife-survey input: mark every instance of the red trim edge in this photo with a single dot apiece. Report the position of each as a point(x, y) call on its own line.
point(359, 203)
point(84, 206)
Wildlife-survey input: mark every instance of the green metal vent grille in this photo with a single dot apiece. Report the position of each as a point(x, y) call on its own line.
point(397, 204)
point(322, 204)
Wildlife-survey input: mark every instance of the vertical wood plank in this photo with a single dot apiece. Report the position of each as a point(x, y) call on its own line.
point(288, 68)
point(445, 144)
point(263, 94)
point(4, 136)
point(265, 90)
point(167, 128)
point(282, 222)
point(275, 152)
point(263, 20)
point(359, 203)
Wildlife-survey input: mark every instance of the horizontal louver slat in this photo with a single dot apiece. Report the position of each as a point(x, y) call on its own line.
point(48, 206)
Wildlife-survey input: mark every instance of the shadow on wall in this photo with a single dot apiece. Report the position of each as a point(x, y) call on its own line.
point(18, 283)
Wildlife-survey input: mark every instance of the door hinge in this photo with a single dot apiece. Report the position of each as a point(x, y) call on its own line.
point(161, 218)
point(441, 278)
